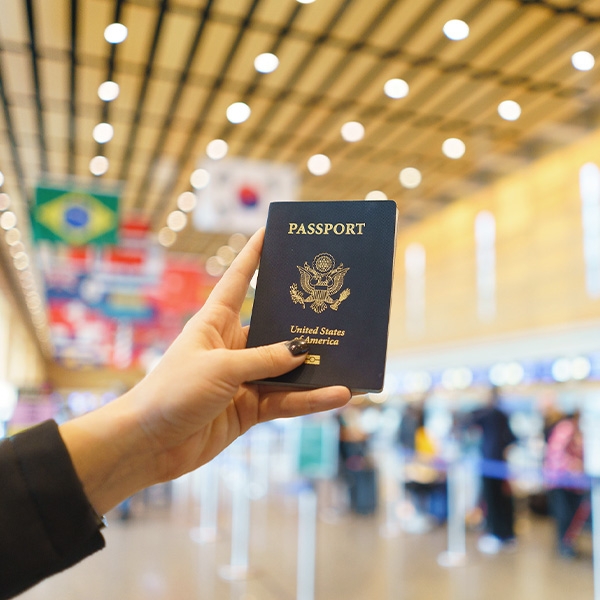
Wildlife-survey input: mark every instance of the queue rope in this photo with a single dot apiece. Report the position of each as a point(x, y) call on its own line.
point(499, 469)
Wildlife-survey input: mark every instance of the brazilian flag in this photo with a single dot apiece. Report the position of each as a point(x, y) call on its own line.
point(75, 216)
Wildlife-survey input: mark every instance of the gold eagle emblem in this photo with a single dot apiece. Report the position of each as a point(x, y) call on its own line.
point(320, 281)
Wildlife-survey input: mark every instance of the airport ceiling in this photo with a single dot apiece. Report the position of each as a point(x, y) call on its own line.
point(185, 61)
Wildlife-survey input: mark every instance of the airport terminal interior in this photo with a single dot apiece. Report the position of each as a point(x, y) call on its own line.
point(141, 145)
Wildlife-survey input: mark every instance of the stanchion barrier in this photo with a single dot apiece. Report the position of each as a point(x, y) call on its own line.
point(307, 533)
point(260, 442)
point(456, 552)
point(595, 501)
point(209, 503)
point(392, 466)
point(238, 569)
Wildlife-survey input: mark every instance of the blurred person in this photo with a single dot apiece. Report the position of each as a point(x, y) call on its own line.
point(57, 480)
point(357, 468)
point(424, 481)
point(496, 493)
point(563, 466)
point(411, 419)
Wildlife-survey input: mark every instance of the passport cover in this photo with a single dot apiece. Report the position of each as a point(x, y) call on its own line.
point(326, 274)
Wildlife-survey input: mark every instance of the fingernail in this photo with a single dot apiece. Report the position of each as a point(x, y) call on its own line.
point(297, 346)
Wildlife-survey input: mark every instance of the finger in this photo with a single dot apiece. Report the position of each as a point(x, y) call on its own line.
point(282, 404)
point(231, 289)
point(250, 364)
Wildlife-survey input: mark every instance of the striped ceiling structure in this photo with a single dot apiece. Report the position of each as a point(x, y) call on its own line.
point(185, 61)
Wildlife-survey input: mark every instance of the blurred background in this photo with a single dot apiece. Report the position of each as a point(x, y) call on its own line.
point(141, 142)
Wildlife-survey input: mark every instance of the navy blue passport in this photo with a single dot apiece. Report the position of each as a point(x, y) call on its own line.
point(326, 274)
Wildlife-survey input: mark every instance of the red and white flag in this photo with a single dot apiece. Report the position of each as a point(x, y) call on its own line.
point(239, 192)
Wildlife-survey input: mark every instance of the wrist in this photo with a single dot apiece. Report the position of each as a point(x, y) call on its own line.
point(110, 454)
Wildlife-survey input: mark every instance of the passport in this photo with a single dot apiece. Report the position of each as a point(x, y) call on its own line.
point(325, 274)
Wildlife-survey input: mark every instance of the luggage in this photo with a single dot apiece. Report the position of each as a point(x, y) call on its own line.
point(362, 485)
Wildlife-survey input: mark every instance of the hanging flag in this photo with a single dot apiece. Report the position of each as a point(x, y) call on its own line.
point(75, 216)
point(239, 192)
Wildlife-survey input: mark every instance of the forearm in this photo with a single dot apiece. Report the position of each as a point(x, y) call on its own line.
point(110, 454)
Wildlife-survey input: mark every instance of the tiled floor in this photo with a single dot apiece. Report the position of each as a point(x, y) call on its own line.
point(153, 556)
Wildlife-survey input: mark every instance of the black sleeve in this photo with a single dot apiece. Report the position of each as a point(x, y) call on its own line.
point(46, 521)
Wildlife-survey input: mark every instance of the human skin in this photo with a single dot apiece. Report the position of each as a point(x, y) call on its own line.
point(194, 403)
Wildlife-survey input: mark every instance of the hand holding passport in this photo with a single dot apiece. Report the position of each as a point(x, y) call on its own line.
point(326, 275)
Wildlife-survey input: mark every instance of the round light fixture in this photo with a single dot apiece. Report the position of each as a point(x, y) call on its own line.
point(108, 91)
point(583, 61)
point(166, 237)
point(238, 112)
point(177, 220)
point(217, 149)
point(410, 178)
point(98, 165)
point(115, 33)
point(509, 110)
point(453, 148)
point(199, 179)
point(103, 132)
point(455, 30)
point(396, 88)
point(376, 195)
point(266, 62)
point(4, 201)
point(237, 241)
point(186, 201)
point(319, 164)
point(8, 220)
point(353, 131)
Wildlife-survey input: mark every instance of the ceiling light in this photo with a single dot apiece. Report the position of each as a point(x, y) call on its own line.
point(353, 131)
point(396, 88)
point(416, 381)
point(580, 367)
point(186, 201)
point(266, 62)
point(98, 165)
point(561, 369)
point(376, 195)
point(319, 164)
point(214, 267)
point(453, 148)
point(103, 132)
point(226, 254)
point(237, 241)
point(509, 110)
point(217, 149)
point(199, 179)
point(305, 1)
point(4, 201)
point(115, 33)
point(410, 178)
point(166, 237)
point(1, 178)
point(176, 220)
point(21, 261)
point(583, 61)
point(8, 220)
point(108, 91)
point(12, 236)
point(455, 29)
point(238, 112)
point(457, 378)
point(16, 248)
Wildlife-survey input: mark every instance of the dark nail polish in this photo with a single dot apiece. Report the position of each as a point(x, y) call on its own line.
point(298, 346)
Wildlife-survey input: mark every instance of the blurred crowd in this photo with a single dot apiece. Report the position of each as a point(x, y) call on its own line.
point(503, 453)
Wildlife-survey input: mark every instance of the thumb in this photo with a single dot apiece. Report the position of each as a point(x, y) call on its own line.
point(268, 361)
